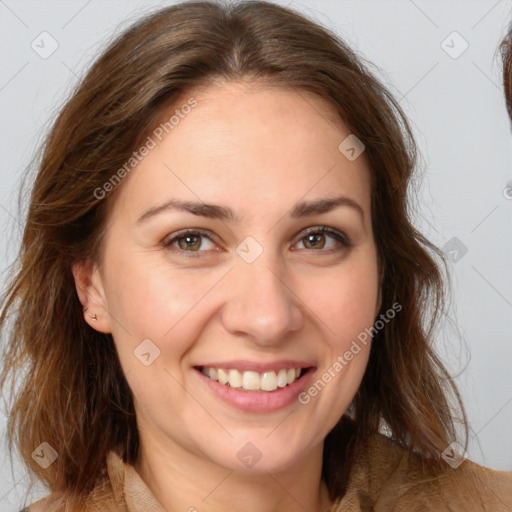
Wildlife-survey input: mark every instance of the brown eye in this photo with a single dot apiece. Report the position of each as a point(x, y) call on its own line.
point(318, 238)
point(314, 241)
point(188, 242)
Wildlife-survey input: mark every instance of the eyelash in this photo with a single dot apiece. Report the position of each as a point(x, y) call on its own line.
point(337, 235)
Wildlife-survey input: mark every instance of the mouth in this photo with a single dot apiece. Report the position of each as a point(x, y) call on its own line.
point(253, 381)
point(255, 388)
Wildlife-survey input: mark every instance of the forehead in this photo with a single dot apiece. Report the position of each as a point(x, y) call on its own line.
point(248, 145)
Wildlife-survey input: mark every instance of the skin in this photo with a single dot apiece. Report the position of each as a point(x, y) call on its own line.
point(257, 150)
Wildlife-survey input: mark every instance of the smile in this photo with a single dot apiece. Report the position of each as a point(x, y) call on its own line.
point(256, 387)
point(253, 381)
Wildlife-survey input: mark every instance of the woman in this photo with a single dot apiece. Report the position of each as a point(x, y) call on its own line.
point(220, 300)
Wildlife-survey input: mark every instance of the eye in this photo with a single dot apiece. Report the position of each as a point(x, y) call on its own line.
point(189, 241)
point(315, 238)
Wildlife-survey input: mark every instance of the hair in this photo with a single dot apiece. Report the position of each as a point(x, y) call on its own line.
point(506, 56)
point(73, 394)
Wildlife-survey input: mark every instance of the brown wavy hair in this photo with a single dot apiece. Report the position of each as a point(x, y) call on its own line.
point(72, 392)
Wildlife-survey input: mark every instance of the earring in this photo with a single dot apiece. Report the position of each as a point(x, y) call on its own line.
point(93, 316)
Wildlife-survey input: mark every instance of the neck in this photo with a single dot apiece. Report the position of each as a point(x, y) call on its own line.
point(184, 481)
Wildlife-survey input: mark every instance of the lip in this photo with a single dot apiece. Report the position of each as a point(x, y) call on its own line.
point(257, 401)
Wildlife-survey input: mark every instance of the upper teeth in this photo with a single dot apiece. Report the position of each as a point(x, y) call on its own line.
point(266, 381)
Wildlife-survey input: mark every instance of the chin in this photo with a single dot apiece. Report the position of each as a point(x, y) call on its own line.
point(255, 454)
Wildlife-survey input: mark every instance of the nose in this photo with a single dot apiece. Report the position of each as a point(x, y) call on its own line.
point(262, 306)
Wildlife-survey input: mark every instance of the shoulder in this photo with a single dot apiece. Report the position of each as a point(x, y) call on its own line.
point(54, 502)
point(107, 495)
point(391, 478)
point(100, 500)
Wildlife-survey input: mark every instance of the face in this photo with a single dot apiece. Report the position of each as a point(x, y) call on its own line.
point(246, 291)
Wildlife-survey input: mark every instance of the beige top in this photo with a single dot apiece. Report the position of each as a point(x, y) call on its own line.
point(383, 478)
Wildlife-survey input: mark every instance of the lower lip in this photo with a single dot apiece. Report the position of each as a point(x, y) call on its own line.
point(262, 401)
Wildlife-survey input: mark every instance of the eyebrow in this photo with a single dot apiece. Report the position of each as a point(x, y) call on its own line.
point(213, 211)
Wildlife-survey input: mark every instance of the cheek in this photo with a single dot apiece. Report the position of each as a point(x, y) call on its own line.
point(344, 301)
point(150, 300)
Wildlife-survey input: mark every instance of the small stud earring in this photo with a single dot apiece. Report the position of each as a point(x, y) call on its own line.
point(93, 316)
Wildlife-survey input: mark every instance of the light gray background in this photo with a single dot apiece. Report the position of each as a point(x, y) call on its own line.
point(457, 109)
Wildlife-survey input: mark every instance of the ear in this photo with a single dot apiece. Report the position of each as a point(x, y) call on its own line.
point(89, 287)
